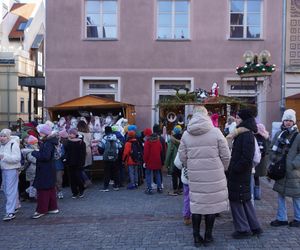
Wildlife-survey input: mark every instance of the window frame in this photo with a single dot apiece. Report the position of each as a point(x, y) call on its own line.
point(173, 27)
point(98, 91)
point(245, 22)
point(100, 13)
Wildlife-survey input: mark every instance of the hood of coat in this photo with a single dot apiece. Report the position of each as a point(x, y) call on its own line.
point(249, 124)
point(51, 138)
point(153, 138)
point(199, 124)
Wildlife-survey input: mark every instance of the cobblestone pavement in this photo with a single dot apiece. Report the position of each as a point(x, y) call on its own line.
point(129, 219)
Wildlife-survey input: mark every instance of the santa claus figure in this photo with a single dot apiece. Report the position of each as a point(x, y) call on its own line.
point(214, 89)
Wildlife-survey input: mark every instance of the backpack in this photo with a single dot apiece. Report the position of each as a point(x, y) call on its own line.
point(257, 154)
point(136, 152)
point(110, 150)
point(57, 151)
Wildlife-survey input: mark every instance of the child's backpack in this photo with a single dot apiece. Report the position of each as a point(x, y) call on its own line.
point(136, 152)
point(58, 151)
point(110, 150)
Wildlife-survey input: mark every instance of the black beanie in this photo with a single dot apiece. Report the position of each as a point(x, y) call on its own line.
point(245, 114)
point(108, 130)
point(156, 129)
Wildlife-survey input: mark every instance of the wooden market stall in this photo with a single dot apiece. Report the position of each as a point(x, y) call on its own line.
point(92, 104)
point(221, 105)
point(89, 106)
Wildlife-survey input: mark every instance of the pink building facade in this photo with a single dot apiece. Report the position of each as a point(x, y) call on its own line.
point(137, 51)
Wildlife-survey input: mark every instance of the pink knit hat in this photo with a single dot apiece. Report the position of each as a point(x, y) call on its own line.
point(262, 130)
point(45, 129)
point(63, 134)
point(32, 140)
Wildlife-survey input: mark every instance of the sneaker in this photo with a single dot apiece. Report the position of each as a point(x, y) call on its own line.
point(37, 215)
point(159, 190)
point(257, 232)
point(241, 235)
point(148, 191)
point(55, 211)
point(81, 195)
point(154, 186)
point(278, 223)
point(74, 196)
point(17, 210)
point(111, 182)
point(60, 195)
point(104, 190)
point(173, 193)
point(294, 223)
point(116, 189)
point(9, 217)
point(187, 221)
point(131, 187)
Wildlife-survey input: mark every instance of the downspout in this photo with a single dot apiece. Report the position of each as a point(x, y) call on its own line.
point(283, 55)
point(8, 95)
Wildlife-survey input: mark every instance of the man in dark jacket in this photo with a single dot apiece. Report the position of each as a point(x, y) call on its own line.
point(239, 177)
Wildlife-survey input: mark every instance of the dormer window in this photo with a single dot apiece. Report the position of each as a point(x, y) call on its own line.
point(22, 26)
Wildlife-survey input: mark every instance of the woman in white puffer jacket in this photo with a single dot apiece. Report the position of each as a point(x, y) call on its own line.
point(10, 158)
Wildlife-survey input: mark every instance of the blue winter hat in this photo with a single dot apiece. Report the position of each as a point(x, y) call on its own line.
point(132, 128)
point(177, 130)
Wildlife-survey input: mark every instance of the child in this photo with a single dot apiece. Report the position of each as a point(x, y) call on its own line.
point(31, 144)
point(58, 155)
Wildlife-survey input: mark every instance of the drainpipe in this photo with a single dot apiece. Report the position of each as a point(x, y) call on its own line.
point(8, 95)
point(283, 55)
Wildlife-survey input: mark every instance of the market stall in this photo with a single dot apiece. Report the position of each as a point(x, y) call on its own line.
point(98, 113)
point(179, 109)
point(92, 106)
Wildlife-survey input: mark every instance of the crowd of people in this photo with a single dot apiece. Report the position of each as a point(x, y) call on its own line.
point(214, 170)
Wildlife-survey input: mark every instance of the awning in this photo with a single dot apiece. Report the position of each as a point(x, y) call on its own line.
point(34, 82)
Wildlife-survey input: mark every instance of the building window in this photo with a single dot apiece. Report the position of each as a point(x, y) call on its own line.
point(173, 19)
point(102, 88)
point(246, 19)
point(22, 105)
point(22, 26)
point(101, 19)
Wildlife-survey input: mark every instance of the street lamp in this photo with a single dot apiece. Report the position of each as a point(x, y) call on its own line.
point(256, 65)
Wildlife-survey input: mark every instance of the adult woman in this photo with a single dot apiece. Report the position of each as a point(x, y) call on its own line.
point(289, 186)
point(239, 177)
point(10, 157)
point(83, 130)
point(204, 150)
point(45, 177)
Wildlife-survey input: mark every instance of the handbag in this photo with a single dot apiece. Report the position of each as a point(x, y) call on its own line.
point(277, 170)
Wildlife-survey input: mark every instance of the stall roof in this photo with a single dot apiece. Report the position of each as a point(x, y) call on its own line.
point(88, 101)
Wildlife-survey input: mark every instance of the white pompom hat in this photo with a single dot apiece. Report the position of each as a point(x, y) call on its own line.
point(289, 114)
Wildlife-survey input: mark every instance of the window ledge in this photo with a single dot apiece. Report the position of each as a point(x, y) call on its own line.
point(172, 40)
point(245, 39)
point(100, 39)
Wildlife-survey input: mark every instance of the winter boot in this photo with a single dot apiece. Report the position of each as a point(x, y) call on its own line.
point(257, 193)
point(209, 224)
point(196, 221)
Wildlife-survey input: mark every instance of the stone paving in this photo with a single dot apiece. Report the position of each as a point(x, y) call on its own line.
point(129, 219)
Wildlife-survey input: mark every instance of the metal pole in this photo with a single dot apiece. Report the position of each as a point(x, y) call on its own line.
point(29, 104)
point(283, 56)
point(8, 95)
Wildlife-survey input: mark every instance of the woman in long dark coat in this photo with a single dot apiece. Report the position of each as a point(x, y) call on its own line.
point(45, 178)
point(239, 177)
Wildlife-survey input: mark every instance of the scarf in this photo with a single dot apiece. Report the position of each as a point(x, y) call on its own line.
point(283, 139)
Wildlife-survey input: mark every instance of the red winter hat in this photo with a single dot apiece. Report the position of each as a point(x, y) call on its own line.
point(147, 131)
point(32, 140)
point(131, 133)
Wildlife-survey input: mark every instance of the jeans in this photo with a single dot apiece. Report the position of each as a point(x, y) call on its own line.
point(282, 211)
point(149, 178)
point(133, 174)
